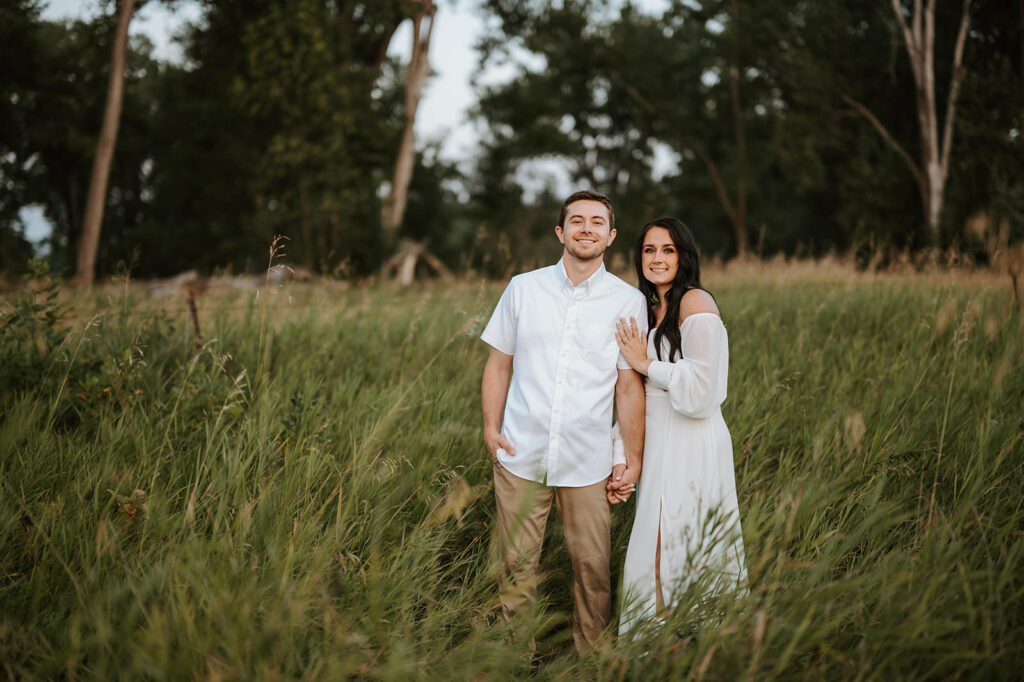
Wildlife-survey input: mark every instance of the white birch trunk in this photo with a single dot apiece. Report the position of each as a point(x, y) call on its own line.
point(919, 39)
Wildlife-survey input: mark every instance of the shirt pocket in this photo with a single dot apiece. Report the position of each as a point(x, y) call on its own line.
point(597, 341)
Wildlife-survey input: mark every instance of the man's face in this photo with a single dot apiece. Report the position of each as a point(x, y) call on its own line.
point(587, 231)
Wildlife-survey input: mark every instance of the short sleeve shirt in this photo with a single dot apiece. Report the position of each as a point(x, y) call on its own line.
point(565, 362)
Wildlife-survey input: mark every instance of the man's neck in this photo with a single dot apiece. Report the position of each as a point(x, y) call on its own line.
point(579, 271)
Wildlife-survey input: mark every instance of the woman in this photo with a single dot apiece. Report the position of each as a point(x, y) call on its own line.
point(687, 519)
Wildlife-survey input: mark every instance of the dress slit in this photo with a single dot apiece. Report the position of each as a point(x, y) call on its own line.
point(659, 598)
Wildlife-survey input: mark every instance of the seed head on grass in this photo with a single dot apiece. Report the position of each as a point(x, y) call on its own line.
point(276, 251)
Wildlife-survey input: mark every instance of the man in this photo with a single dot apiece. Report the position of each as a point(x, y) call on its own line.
point(552, 335)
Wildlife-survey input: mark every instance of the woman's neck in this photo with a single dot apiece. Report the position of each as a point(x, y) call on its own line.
point(659, 311)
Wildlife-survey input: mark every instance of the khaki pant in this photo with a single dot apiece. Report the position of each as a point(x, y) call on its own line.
point(523, 508)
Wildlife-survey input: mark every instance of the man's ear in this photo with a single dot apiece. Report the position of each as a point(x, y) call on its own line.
point(611, 236)
point(559, 232)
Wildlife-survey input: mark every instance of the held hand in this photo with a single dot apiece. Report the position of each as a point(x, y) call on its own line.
point(496, 441)
point(621, 484)
point(615, 496)
point(633, 344)
point(616, 473)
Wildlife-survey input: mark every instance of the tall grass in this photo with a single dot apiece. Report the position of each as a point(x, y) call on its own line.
point(307, 496)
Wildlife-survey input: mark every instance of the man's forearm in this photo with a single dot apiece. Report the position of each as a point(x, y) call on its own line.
point(493, 393)
point(631, 404)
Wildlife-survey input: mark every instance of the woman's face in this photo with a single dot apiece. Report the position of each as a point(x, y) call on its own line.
point(659, 257)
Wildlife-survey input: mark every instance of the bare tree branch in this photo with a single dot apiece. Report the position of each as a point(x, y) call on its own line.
point(716, 178)
point(873, 120)
point(931, 130)
point(956, 78)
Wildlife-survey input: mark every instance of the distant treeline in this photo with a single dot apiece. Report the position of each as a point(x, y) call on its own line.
point(767, 126)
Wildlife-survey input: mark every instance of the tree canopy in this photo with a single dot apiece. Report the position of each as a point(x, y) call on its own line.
point(768, 127)
point(753, 98)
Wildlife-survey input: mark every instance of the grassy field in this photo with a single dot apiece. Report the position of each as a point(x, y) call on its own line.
point(306, 495)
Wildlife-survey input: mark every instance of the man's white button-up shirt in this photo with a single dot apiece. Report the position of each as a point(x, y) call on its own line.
point(558, 413)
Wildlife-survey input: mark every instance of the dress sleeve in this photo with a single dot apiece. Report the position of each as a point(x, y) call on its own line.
point(696, 383)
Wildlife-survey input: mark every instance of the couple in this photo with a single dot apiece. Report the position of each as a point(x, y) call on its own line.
point(567, 339)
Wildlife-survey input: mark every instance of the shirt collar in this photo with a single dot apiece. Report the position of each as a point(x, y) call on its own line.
point(586, 285)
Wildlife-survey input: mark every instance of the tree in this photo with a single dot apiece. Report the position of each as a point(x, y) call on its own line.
point(918, 33)
point(616, 87)
point(53, 76)
point(416, 76)
point(316, 83)
point(733, 201)
point(20, 49)
point(97, 195)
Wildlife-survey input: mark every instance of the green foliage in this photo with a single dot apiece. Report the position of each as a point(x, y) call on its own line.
point(330, 140)
point(18, 47)
point(437, 215)
point(284, 117)
point(324, 512)
point(49, 123)
point(32, 332)
point(817, 174)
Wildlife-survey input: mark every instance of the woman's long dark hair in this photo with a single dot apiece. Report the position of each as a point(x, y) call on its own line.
point(687, 277)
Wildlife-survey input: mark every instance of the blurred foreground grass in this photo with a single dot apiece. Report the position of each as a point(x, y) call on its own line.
point(306, 495)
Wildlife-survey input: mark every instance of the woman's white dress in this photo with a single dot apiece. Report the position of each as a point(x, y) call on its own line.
point(687, 484)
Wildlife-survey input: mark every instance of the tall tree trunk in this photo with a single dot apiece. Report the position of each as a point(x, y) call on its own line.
point(416, 76)
point(97, 197)
point(919, 39)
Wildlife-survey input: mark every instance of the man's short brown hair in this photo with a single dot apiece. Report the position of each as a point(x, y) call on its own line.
point(588, 195)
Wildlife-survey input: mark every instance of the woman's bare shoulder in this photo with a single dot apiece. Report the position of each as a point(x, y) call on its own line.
point(697, 301)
